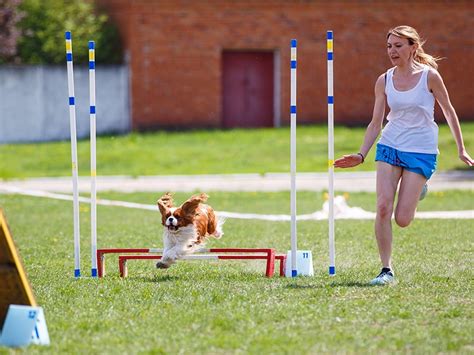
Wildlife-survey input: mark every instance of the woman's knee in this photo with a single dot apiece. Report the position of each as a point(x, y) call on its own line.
point(384, 208)
point(403, 219)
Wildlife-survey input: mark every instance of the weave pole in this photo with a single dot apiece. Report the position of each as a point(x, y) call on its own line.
point(93, 158)
point(294, 270)
point(330, 58)
point(72, 122)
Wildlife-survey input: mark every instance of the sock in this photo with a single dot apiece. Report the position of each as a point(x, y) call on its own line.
point(387, 270)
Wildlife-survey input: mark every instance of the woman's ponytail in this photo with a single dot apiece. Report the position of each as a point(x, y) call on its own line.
point(425, 58)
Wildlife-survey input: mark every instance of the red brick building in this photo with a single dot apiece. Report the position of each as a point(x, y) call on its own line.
point(211, 63)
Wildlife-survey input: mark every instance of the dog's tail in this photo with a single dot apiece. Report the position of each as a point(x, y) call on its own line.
point(219, 232)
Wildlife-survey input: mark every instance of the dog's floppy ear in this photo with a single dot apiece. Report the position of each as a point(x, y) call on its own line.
point(189, 207)
point(165, 202)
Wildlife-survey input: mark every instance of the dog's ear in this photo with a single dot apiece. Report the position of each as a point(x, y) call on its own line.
point(202, 196)
point(189, 207)
point(165, 202)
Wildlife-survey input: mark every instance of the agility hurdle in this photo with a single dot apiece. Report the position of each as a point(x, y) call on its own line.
point(267, 254)
point(97, 265)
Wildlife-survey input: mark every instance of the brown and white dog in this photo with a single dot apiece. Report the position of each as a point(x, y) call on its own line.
point(187, 227)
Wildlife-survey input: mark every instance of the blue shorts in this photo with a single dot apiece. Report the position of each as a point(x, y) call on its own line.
point(420, 163)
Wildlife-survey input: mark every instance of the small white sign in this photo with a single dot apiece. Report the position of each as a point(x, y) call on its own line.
point(304, 263)
point(24, 325)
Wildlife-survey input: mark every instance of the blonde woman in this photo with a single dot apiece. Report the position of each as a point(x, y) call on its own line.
point(407, 149)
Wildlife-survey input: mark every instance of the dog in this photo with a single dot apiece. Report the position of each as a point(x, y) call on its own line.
point(186, 228)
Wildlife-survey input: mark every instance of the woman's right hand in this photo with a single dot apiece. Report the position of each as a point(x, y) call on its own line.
point(348, 161)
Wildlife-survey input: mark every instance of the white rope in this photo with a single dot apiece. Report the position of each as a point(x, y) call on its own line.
point(341, 209)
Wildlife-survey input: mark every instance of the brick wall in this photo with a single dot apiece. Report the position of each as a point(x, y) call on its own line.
point(174, 49)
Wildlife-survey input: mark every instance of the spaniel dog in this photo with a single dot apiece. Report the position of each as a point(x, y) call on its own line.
point(186, 227)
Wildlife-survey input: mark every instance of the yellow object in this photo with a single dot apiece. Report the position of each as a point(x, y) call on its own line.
point(68, 46)
point(15, 288)
point(91, 54)
point(330, 45)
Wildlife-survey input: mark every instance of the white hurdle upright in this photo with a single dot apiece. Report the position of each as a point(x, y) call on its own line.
point(72, 122)
point(294, 270)
point(330, 58)
point(93, 158)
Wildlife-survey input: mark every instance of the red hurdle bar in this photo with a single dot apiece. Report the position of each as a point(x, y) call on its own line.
point(269, 265)
point(270, 256)
point(101, 256)
point(282, 258)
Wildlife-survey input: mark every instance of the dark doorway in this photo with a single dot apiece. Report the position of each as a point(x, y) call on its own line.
point(247, 89)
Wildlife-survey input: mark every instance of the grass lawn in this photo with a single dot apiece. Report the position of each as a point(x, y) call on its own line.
point(229, 307)
point(212, 152)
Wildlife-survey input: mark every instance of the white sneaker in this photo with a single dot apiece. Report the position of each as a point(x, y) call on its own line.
point(384, 278)
point(424, 191)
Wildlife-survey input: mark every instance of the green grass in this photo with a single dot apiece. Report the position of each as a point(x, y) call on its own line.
point(212, 152)
point(228, 307)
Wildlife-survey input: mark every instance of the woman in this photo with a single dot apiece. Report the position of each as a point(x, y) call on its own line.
point(407, 150)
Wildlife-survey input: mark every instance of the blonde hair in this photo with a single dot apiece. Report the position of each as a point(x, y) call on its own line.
point(413, 37)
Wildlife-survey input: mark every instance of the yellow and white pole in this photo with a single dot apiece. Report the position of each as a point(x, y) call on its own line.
point(330, 59)
point(72, 122)
point(294, 270)
point(92, 115)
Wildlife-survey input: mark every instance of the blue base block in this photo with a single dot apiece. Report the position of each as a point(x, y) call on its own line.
point(77, 273)
point(94, 272)
point(332, 270)
point(294, 273)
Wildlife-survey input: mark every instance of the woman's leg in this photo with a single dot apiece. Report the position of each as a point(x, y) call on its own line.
point(408, 196)
point(388, 177)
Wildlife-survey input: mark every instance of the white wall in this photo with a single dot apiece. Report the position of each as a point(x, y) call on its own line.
point(34, 104)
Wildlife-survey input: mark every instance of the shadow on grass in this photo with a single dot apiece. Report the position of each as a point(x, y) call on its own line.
point(155, 278)
point(350, 284)
point(332, 284)
point(242, 277)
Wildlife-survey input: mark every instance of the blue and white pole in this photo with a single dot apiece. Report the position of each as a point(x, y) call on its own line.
point(330, 59)
point(93, 158)
point(294, 270)
point(72, 121)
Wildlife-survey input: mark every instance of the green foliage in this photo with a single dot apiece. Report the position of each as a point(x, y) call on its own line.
point(9, 33)
point(229, 307)
point(213, 152)
point(45, 23)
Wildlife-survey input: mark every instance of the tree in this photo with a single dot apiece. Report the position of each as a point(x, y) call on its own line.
point(9, 33)
point(46, 21)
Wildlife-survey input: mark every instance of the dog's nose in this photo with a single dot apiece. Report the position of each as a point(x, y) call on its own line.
point(171, 221)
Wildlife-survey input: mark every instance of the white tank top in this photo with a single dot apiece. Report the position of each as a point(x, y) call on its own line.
point(411, 126)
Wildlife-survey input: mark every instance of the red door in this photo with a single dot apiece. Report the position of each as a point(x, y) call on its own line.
point(247, 84)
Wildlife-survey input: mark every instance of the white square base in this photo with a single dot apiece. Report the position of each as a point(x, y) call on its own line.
point(304, 264)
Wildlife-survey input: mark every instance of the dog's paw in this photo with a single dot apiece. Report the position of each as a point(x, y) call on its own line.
point(161, 265)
